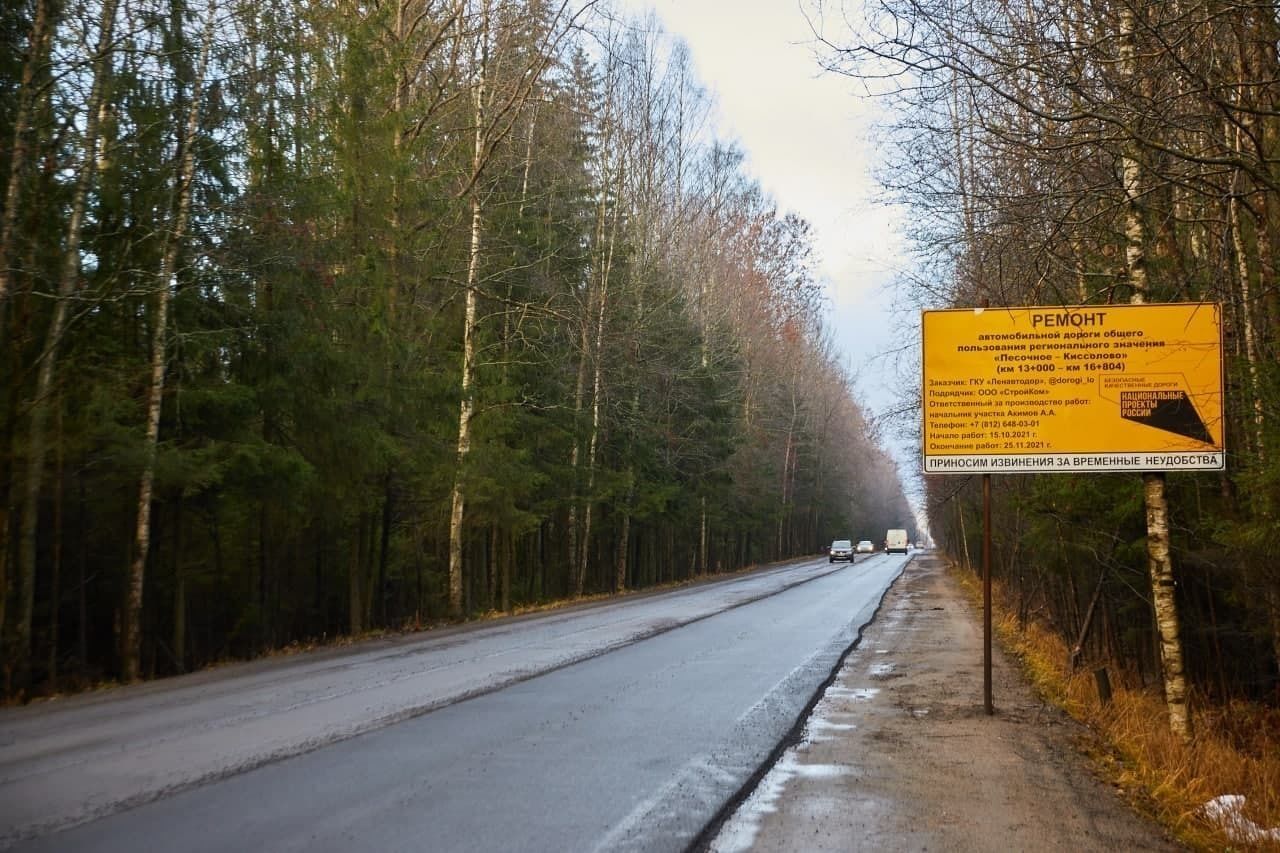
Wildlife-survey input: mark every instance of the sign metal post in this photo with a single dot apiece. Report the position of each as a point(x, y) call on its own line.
point(986, 595)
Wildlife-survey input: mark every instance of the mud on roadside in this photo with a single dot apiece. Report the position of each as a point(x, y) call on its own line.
point(899, 755)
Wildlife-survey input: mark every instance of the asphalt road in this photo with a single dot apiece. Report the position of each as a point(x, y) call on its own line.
point(624, 725)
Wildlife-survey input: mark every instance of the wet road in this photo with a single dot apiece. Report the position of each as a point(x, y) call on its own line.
point(624, 725)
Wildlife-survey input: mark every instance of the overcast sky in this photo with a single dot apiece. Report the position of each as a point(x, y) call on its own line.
point(806, 134)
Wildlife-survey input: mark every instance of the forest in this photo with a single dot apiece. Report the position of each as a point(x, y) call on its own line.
point(1090, 152)
point(324, 318)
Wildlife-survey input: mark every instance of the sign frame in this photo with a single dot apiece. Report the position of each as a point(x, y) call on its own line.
point(1073, 389)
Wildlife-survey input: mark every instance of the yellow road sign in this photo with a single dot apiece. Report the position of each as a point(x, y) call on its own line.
point(1078, 388)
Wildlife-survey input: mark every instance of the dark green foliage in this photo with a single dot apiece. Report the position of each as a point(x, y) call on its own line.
point(308, 430)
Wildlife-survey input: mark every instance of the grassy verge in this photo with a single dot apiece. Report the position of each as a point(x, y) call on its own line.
point(1235, 748)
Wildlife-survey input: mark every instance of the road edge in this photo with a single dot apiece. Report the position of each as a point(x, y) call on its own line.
point(702, 841)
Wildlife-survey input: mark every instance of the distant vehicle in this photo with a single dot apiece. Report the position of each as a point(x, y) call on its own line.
point(896, 541)
point(919, 545)
point(841, 549)
point(865, 547)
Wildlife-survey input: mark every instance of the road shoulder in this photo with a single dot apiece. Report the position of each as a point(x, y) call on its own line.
point(898, 754)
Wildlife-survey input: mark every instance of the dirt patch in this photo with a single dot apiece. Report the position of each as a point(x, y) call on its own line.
point(899, 755)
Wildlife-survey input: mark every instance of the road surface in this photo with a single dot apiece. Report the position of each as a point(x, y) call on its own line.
point(623, 725)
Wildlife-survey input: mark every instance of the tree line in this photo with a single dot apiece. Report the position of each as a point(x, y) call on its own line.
point(1090, 152)
point(317, 318)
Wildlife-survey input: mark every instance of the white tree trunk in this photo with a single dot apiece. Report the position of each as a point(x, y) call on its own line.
point(131, 640)
point(624, 543)
point(1165, 604)
point(1246, 305)
point(1159, 560)
point(68, 283)
point(466, 408)
point(597, 379)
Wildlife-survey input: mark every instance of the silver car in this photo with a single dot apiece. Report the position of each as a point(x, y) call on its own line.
point(841, 549)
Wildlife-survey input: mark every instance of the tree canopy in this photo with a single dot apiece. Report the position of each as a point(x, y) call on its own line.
point(317, 318)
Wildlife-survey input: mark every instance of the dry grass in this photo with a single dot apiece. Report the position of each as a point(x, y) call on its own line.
point(1235, 748)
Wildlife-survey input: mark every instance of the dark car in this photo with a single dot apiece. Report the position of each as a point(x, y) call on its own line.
point(841, 549)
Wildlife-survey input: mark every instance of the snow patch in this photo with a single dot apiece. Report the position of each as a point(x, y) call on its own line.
point(1228, 812)
point(739, 832)
point(821, 771)
point(857, 694)
point(822, 731)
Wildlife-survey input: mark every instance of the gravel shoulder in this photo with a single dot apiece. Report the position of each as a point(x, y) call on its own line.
point(898, 754)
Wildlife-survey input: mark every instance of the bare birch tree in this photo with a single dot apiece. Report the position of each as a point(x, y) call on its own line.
point(131, 634)
point(68, 282)
point(495, 108)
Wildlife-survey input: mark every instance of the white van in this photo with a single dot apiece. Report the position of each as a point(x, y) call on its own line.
point(896, 540)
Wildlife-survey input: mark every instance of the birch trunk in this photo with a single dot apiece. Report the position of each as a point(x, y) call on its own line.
point(466, 408)
point(579, 400)
point(1246, 304)
point(1255, 334)
point(592, 316)
point(1165, 604)
point(36, 55)
point(624, 537)
point(68, 282)
point(131, 639)
point(597, 379)
point(465, 412)
point(579, 396)
point(1159, 561)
